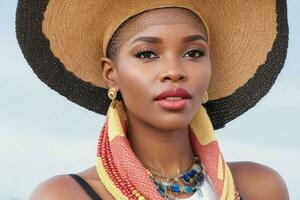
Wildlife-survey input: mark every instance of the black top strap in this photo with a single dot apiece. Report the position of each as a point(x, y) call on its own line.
point(86, 187)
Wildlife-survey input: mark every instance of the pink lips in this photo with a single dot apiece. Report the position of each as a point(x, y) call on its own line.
point(173, 99)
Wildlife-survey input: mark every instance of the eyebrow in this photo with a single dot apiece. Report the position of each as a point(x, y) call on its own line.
point(191, 38)
point(186, 39)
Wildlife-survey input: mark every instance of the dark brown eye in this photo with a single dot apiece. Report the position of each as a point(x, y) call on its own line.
point(145, 54)
point(195, 53)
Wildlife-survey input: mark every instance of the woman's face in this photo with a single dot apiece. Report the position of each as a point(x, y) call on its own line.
point(159, 58)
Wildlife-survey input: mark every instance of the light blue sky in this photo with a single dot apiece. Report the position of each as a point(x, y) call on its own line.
point(42, 134)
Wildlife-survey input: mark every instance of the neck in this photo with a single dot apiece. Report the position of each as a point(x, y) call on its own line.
point(163, 150)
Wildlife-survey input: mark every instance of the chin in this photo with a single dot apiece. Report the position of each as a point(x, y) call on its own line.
point(173, 122)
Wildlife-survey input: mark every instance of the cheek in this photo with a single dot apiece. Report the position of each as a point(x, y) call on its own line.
point(200, 78)
point(134, 87)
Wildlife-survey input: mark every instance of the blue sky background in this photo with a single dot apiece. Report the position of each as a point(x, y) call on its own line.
point(42, 134)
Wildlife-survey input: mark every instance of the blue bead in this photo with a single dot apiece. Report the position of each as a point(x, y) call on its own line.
point(191, 173)
point(200, 178)
point(194, 171)
point(186, 178)
point(175, 188)
point(188, 189)
point(162, 189)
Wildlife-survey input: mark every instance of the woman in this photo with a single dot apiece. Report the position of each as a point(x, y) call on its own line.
point(158, 63)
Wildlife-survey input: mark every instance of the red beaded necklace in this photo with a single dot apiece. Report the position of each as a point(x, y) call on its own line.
point(124, 175)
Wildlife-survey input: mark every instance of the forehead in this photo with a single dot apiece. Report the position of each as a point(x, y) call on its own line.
point(159, 16)
point(178, 30)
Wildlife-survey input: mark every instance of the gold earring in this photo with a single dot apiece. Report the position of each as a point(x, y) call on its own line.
point(205, 98)
point(112, 93)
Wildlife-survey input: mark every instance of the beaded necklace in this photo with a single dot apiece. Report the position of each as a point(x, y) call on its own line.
point(125, 177)
point(188, 181)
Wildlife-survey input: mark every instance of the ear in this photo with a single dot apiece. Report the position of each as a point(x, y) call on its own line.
point(109, 73)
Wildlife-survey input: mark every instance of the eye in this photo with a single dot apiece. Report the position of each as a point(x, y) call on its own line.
point(196, 53)
point(145, 54)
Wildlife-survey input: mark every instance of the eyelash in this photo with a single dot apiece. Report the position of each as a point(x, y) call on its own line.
point(142, 52)
point(200, 52)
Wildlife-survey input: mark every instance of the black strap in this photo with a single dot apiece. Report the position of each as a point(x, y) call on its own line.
point(86, 187)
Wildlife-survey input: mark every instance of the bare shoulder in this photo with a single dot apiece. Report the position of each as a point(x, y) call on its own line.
point(58, 188)
point(257, 181)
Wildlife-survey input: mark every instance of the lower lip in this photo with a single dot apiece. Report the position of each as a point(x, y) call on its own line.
point(173, 104)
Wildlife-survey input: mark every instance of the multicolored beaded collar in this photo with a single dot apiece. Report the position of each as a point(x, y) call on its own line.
point(125, 177)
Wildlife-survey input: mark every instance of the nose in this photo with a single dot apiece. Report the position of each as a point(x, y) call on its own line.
point(173, 74)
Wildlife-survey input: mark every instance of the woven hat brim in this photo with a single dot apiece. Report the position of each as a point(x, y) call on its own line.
point(36, 49)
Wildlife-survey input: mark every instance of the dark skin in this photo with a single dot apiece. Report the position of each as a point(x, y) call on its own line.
point(170, 63)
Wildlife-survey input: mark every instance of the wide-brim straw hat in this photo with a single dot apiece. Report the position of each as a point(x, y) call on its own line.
point(63, 42)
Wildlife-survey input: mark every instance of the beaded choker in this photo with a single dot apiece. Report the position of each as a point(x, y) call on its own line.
point(125, 177)
point(186, 182)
